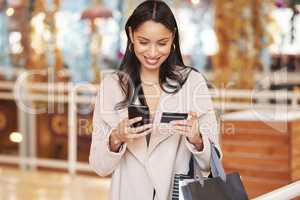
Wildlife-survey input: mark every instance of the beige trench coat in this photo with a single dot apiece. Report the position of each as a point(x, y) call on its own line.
point(137, 169)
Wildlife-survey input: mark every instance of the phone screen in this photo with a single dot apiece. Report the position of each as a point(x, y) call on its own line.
point(139, 111)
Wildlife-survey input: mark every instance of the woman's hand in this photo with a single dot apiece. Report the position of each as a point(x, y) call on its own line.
point(124, 133)
point(190, 129)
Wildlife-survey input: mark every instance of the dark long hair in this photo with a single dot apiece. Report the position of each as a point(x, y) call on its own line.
point(172, 69)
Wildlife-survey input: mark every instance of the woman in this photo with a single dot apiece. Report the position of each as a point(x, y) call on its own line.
point(143, 161)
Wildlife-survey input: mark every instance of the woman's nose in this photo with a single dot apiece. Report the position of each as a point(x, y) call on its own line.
point(153, 51)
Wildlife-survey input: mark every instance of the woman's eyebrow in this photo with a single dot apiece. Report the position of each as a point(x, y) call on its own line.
point(163, 39)
point(140, 37)
point(143, 38)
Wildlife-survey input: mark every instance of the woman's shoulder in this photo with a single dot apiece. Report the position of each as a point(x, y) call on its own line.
point(196, 76)
point(110, 88)
point(110, 84)
point(191, 74)
point(110, 79)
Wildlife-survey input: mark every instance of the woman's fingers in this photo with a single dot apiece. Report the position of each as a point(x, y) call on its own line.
point(140, 129)
point(180, 132)
point(193, 115)
point(183, 130)
point(134, 120)
point(127, 133)
point(138, 135)
point(182, 122)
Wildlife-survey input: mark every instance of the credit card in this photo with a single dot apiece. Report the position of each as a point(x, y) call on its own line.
point(169, 116)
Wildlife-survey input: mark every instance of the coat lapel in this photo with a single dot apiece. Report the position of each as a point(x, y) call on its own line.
point(162, 166)
point(138, 148)
point(159, 134)
point(160, 131)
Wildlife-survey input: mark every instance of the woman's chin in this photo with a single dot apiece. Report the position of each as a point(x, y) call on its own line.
point(151, 67)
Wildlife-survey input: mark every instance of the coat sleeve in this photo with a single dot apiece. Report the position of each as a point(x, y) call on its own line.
point(101, 159)
point(208, 126)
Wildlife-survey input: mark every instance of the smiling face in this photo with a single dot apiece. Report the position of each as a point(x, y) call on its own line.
point(152, 44)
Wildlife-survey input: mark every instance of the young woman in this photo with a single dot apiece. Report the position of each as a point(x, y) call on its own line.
point(144, 160)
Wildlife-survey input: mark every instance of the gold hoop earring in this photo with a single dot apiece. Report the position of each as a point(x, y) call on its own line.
point(130, 47)
point(174, 47)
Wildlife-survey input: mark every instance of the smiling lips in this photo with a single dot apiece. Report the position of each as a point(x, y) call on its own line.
point(151, 61)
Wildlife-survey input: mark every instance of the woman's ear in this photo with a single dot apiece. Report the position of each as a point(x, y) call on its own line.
point(130, 34)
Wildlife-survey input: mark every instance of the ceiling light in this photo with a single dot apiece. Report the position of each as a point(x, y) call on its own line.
point(10, 12)
point(16, 137)
point(195, 2)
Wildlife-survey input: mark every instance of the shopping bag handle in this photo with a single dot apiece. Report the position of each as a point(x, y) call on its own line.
point(216, 167)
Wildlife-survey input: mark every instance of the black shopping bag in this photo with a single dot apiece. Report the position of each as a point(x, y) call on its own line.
point(219, 187)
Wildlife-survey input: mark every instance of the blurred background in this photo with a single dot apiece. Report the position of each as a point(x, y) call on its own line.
point(54, 54)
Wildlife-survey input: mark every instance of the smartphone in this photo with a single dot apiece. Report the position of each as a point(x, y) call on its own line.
point(139, 111)
point(167, 117)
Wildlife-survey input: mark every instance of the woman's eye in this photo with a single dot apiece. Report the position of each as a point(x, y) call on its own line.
point(143, 43)
point(162, 44)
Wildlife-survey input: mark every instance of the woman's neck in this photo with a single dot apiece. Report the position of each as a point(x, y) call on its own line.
point(149, 76)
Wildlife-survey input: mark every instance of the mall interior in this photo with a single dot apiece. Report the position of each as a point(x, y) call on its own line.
point(54, 54)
